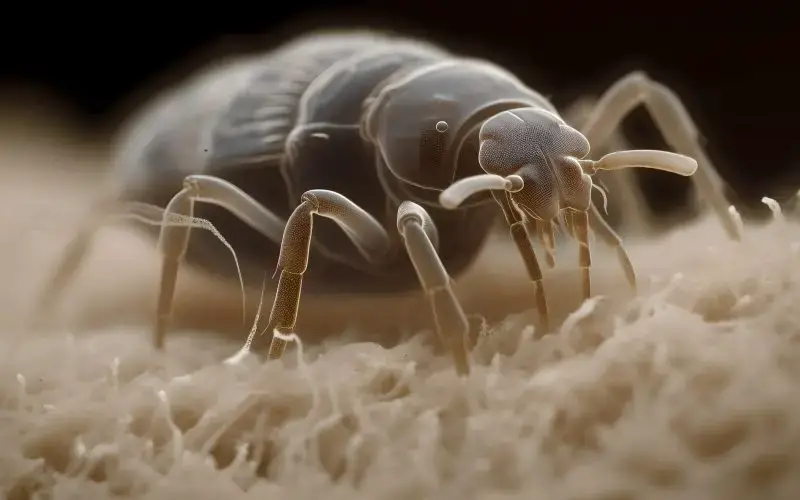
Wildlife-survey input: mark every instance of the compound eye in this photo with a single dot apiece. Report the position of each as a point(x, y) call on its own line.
point(555, 134)
point(523, 136)
point(504, 145)
point(573, 142)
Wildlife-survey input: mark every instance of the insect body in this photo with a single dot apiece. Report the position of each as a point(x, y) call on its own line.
point(405, 150)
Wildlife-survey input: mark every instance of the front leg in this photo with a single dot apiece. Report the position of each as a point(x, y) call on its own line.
point(516, 226)
point(501, 187)
point(679, 130)
point(71, 258)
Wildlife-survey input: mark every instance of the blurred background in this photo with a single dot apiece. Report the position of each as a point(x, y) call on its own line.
point(71, 74)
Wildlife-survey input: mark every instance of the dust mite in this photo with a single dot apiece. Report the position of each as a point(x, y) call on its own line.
point(405, 150)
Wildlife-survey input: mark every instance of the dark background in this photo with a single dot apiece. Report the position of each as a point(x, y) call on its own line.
point(735, 65)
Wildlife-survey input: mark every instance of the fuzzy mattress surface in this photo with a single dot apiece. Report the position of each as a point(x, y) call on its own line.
point(689, 390)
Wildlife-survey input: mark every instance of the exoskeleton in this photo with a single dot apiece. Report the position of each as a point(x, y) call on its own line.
point(406, 151)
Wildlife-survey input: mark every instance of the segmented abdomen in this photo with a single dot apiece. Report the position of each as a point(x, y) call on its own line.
point(233, 121)
point(242, 110)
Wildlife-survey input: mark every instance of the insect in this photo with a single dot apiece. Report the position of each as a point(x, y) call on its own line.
point(406, 152)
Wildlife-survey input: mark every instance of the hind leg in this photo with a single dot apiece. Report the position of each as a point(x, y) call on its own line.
point(71, 259)
point(174, 238)
point(176, 221)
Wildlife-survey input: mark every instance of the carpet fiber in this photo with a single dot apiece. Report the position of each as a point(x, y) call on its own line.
point(688, 390)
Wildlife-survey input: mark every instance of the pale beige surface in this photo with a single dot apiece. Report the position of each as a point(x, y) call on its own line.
point(688, 391)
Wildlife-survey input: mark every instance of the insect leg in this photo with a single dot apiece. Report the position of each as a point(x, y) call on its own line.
point(580, 227)
point(611, 238)
point(547, 238)
point(628, 196)
point(174, 240)
point(422, 240)
point(520, 236)
point(71, 259)
point(569, 226)
point(366, 233)
point(679, 130)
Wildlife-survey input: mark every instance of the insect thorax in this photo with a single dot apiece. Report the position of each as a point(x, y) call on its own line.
point(425, 123)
